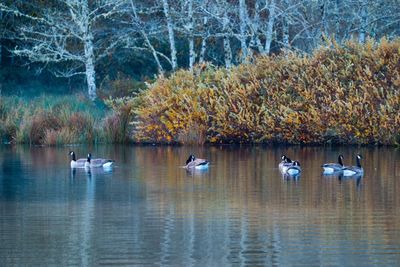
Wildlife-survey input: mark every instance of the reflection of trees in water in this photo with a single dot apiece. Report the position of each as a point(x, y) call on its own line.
point(11, 176)
point(251, 173)
point(243, 188)
point(239, 208)
point(85, 230)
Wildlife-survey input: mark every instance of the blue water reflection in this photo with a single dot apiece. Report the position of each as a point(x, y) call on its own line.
point(241, 211)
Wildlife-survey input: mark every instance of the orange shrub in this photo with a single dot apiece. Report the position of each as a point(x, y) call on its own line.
point(339, 94)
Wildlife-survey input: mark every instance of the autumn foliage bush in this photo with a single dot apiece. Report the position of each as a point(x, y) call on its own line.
point(339, 94)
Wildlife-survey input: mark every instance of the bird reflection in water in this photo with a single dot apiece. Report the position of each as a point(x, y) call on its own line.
point(192, 172)
point(90, 172)
point(293, 177)
point(357, 178)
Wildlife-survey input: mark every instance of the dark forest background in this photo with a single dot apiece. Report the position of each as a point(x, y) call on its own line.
point(44, 43)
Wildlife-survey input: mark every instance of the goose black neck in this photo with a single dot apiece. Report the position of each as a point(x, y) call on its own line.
point(358, 162)
point(190, 159)
point(73, 157)
point(340, 161)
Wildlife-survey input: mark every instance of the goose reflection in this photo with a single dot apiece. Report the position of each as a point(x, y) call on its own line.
point(90, 172)
point(73, 173)
point(356, 177)
point(196, 172)
point(84, 213)
point(291, 177)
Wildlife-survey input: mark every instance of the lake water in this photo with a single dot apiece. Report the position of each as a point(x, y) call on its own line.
point(240, 212)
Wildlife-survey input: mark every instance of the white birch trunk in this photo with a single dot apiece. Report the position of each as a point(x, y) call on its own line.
point(203, 50)
point(325, 26)
point(363, 21)
point(227, 52)
point(285, 29)
point(270, 27)
point(192, 53)
point(203, 43)
point(242, 15)
point(171, 36)
point(89, 52)
point(227, 43)
point(337, 19)
point(153, 52)
point(147, 41)
point(89, 67)
point(256, 26)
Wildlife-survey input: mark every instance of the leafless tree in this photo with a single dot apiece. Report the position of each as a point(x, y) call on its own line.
point(171, 33)
point(71, 36)
point(74, 33)
point(138, 25)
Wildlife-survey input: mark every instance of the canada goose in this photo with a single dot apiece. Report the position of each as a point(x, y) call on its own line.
point(285, 163)
point(334, 167)
point(80, 163)
point(192, 162)
point(353, 170)
point(87, 163)
point(95, 163)
point(294, 169)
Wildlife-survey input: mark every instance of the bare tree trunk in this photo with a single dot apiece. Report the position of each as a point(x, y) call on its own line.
point(324, 16)
point(270, 27)
point(203, 50)
point(227, 43)
point(89, 66)
point(203, 43)
point(89, 52)
point(363, 21)
point(242, 15)
point(228, 52)
point(192, 53)
point(153, 52)
point(285, 26)
point(337, 19)
point(171, 35)
point(147, 41)
point(255, 28)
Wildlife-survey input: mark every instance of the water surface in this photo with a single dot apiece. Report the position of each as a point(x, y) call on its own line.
point(241, 212)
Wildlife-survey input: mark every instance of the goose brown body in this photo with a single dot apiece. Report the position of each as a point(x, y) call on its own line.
point(193, 162)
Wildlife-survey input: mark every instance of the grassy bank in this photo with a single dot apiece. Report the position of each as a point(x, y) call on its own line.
point(57, 120)
point(340, 94)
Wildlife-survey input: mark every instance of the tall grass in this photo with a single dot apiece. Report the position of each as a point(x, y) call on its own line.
point(340, 94)
point(53, 120)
